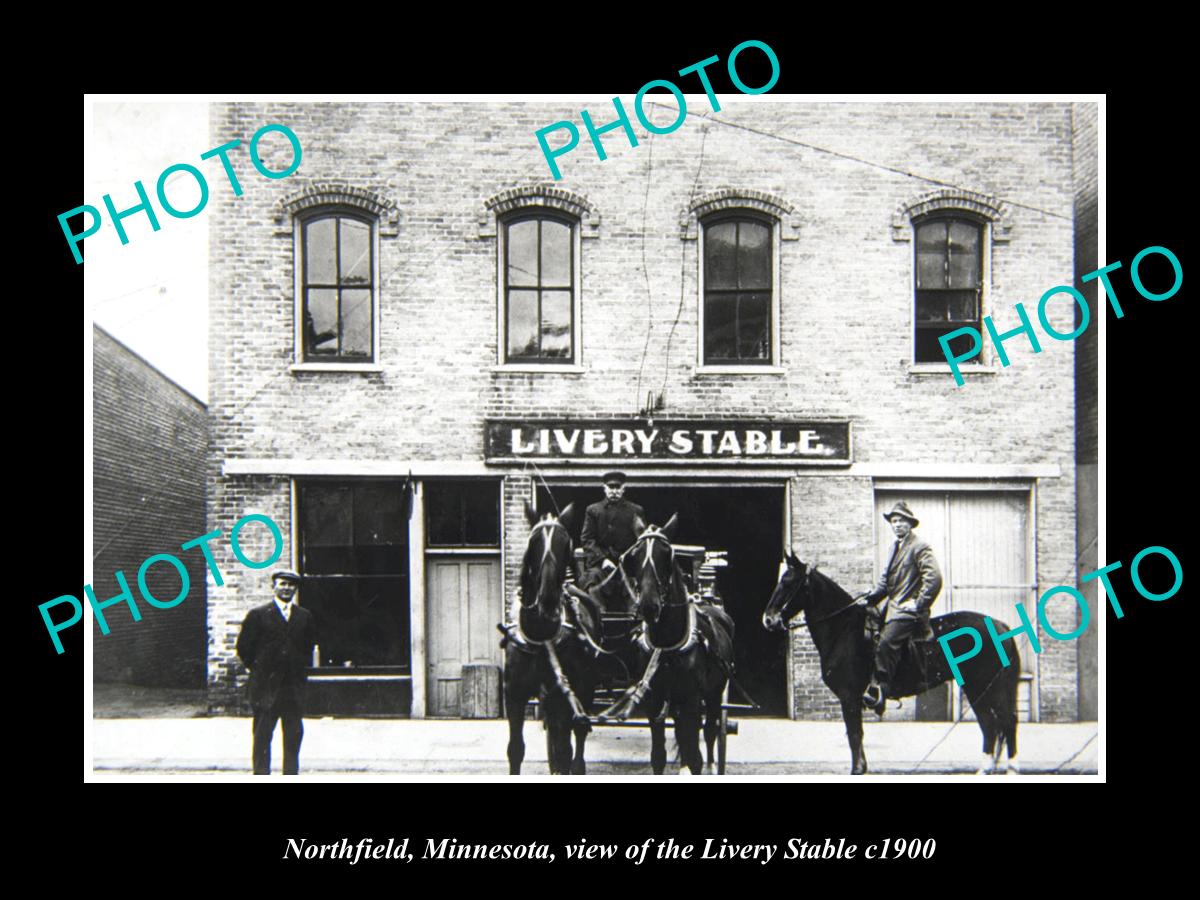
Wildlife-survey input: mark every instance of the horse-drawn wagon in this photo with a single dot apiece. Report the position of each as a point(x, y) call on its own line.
point(672, 655)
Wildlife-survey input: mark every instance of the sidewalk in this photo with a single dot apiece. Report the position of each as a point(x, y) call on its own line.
point(405, 747)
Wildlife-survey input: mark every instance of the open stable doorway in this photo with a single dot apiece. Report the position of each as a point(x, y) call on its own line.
point(745, 521)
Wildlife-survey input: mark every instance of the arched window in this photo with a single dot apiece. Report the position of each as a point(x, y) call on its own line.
point(539, 266)
point(949, 282)
point(739, 294)
point(337, 284)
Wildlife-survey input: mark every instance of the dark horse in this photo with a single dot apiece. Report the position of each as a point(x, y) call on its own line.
point(551, 650)
point(847, 658)
point(686, 651)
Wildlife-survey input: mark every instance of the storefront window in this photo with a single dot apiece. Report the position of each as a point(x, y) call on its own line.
point(354, 563)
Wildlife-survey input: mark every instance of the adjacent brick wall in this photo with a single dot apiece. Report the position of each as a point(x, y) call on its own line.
point(149, 446)
point(846, 301)
point(1086, 397)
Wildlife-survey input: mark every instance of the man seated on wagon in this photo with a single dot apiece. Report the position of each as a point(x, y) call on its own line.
point(608, 531)
point(911, 582)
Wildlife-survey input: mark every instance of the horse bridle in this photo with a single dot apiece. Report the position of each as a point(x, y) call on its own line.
point(545, 525)
point(648, 537)
point(808, 623)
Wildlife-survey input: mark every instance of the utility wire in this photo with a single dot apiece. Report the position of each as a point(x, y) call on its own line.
point(866, 162)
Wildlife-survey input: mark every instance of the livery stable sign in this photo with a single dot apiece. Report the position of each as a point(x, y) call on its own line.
point(704, 441)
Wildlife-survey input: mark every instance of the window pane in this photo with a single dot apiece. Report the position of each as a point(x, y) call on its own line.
point(720, 269)
point(931, 236)
point(482, 507)
point(360, 621)
point(556, 254)
point(556, 324)
point(719, 341)
point(462, 513)
point(931, 254)
point(754, 255)
point(327, 537)
point(522, 253)
point(964, 255)
point(380, 530)
point(522, 323)
point(931, 270)
point(319, 250)
point(753, 334)
point(356, 252)
point(929, 350)
point(356, 323)
point(948, 306)
point(320, 321)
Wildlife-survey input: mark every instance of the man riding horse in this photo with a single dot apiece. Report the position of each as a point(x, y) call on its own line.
point(608, 531)
point(910, 581)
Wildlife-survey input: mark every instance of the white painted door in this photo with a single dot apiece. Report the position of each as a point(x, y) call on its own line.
point(982, 541)
point(463, 606)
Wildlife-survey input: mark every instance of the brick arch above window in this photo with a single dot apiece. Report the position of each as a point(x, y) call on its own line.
point(338, 195)
point(733, 198)
point(539, 196)
point(947, 200)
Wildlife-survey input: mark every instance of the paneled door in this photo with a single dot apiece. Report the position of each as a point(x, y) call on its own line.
point(464, 605)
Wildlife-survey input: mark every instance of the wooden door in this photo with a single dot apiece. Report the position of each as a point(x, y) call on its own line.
point(463, 600)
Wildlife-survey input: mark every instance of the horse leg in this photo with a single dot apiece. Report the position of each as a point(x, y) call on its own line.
point(852, 716)
point(687, 735)
point(987, 724)
point(556, 718)
point(1009, 720)
point(712, 725)
point(514, 702)
point(581, 729)
point(655, 704)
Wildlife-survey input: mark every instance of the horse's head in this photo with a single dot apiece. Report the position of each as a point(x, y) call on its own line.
point(547, 558)
point(651, 565)
point(791, 594)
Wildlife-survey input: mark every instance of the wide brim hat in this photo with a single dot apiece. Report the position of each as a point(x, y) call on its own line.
point(611, 477)
point(901, 509)
point(285, 573)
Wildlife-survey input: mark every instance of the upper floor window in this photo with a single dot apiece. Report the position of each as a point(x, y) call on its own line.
point(739, 314)
point(539, 273)
point(337, 284)
point(949, 283)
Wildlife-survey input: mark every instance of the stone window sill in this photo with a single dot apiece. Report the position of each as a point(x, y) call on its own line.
point(365, 368)
point(518, 369)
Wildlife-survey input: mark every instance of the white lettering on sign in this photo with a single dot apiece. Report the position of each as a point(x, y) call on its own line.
point(683, 442)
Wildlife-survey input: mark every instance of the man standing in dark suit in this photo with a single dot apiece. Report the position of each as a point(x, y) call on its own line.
point(276, 645)
point(911, 581)
point(608, 531)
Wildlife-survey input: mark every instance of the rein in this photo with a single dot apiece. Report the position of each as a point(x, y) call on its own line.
point(792, 626)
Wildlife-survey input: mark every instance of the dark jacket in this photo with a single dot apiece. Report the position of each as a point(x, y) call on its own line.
point(911, 579)
point(608, 530)
point(278, 652)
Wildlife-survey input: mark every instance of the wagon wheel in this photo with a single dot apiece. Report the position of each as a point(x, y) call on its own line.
point(723, 734)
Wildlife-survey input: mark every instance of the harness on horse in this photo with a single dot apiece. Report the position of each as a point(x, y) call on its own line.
point(692, 635)
point(569, 626)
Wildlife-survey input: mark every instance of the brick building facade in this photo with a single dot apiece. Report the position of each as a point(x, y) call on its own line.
point(420, 285)
point(149, 446)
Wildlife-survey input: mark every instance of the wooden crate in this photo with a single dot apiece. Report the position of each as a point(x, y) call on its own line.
point(480, 691)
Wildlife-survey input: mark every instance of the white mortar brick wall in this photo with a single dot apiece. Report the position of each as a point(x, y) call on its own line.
point(845, 323)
